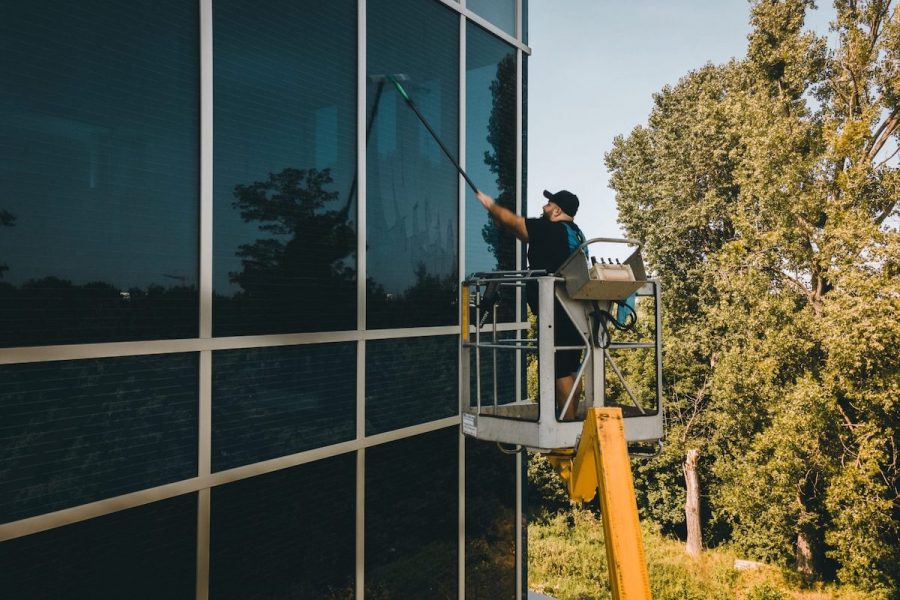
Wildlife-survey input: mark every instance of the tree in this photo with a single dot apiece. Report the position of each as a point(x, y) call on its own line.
point(764, 191)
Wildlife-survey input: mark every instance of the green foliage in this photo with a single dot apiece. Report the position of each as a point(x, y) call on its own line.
point(767, 199)
point(547, 495)
point(764, 591)
point(567, 560)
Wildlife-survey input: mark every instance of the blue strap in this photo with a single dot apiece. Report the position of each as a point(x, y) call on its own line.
point(575, 238)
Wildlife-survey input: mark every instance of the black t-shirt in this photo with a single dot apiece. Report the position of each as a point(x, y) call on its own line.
point(549, 243)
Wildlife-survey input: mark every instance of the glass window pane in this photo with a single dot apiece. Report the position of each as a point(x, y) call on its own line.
point(99, 171)
point(410, 381)
point(270, 402)
point(148, 552)
point(501, 13)
point(284, 166)
point(76, 431)
point(411, 517)
point(490, 522)
point(412, 189)
point(287, 534)
point(491, 154)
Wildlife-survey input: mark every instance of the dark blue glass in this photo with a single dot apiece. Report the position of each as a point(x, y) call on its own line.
point(72, 432)
point(284, 166)
point(270, 402)
point(148, 552)
point(287, 534)
point(99, 171)
point(501, 13)
point(410, 381)
point(411, 517)
point(491, 154)
point(412, 188)
point(490, 522)
point(525, 21)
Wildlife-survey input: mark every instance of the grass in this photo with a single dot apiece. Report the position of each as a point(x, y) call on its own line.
point(567, 560)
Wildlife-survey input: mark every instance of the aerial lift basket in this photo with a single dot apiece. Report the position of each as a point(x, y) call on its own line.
point(583, 292)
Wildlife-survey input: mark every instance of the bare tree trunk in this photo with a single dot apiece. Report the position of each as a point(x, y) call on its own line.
point(804, 556)
point(692, 504)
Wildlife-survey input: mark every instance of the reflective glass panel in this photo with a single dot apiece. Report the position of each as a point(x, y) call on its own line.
point(76, 431)
point(525, 21)
point(284, 176)
point(148, 552)
point(412, 189)
point(490, 154)
point(411, 517)
point(99, 171)
point(287, 534)
point(490, 522)
point(270, 402)
point(501, 13)
point(410, 381)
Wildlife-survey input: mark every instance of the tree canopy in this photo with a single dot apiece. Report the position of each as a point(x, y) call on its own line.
point(766, 193)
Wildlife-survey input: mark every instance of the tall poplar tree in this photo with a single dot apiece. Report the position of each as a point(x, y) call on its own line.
point(766, 192)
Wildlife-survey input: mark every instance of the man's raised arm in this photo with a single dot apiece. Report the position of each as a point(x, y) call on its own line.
point(505, 217)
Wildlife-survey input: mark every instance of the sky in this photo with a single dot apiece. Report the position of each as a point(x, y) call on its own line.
point(594, 67)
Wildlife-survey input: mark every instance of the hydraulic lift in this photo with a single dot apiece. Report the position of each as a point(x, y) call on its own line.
point(616, 310)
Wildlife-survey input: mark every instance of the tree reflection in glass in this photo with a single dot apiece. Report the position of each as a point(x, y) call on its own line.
point(491, 153)
point(284, 166)
point(301, 276)
point(412, 189)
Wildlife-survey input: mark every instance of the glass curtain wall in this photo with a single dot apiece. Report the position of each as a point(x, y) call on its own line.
point(287, 424)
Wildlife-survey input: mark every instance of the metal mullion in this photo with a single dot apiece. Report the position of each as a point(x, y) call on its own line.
point(520, 532)
point(461, 515)
point(204, 420)
point(484, 23)
point(519, 31)
point(203, 526)
point(75, 514)
point(360, 550)
point(35, 354)
point(361, 269)
point(461, 267)
point(99, 508)
point(460, 7)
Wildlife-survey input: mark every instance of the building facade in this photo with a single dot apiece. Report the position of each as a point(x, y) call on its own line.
point(230, 258)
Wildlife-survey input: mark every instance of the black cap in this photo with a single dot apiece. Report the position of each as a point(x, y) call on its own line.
point(564, 199)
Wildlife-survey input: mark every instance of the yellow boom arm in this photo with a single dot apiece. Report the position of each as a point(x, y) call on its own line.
point(601, 462)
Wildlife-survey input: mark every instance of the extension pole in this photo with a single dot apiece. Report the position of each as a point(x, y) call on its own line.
point(410, 103)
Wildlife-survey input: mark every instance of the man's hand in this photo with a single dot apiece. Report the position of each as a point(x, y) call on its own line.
point(486, 201)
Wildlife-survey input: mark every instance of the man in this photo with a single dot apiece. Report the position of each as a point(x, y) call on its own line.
point(551, 239)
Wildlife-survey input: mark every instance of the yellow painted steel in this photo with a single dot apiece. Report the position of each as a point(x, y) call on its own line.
point(601, 462)
point(464, 312)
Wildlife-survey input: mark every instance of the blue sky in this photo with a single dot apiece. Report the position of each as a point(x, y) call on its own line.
point(594, 68)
